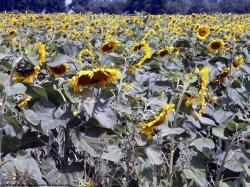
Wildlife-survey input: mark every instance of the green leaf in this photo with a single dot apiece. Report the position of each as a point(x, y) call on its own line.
point(25, 165)
point(51, 173)
point(154, 154)
point(10, 144)
point(31, 117)
point(73, 97)
point(198, 175)
point(204, 120)
point(4, 52)
point(17, 88)
point(171, 131)
point(113, 153)
point(55, 96)
point(219, 132)
point(106, 117)
point(84, 144)
point(59, 59)
point(202, 144)
point(122, 108)
point(33, 57)
point(37, 92)
point(233, 126)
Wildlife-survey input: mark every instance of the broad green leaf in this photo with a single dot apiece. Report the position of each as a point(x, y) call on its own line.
point(17, 88)
point(106, 117)
point(233, 126)
point(113, 153)
point(219, 132)
point(204, 120)
point(59, 59)
point(171, 131)
point(203, 143)
point(154, 155)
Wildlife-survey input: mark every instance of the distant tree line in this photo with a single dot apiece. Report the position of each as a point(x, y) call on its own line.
point(128, 6)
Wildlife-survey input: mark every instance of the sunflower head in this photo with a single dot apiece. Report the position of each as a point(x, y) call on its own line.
point(238, 60)
point(138, 46)
point(25, 71)
point(223, 74)
point(11, 32)
point(216, 45)
point(202, 32)
point(100, 76)
point(164, 52)
point(148, 128)
point(58, 70)
point(109, 46)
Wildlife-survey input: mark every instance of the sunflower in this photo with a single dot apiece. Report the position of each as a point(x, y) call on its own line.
point(87, 55)
point(143, 46)
point(202, 32)
point(220, 78)
point(58, 70)
point(25, 72)
point(148, 128)
point(138, 46)
point(11, 32)
point(216, 45)
point(109, 46)
point(96, 76)
point(41, 48)
point(238, 60)
point(163, 52)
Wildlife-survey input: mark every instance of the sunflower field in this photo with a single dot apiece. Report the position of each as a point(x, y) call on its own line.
point(125, 100)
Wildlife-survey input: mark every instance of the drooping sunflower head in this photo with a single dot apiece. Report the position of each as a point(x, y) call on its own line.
point(142, 47)
point(58, 70)
point(216, 45)
point(25, 72)
point(100, 76)
point(203, 32)
point(148, 128)
point(164, 52)
point(109, 46)
point(138, 46)
point(223, 74)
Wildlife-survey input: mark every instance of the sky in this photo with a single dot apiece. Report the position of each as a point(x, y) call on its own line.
point(68, 2)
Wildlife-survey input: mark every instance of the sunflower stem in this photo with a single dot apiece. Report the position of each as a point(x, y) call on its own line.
point(7, 84)
point(172, 142)
point(122, 77)
point(218, 176)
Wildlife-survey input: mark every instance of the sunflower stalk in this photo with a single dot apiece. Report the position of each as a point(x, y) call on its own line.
point(122, 78)
point(8, 83)
point(172, 142)
point(67, 141)
point(221, 169)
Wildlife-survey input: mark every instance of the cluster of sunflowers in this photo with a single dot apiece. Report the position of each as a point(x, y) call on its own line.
point(162, 71)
